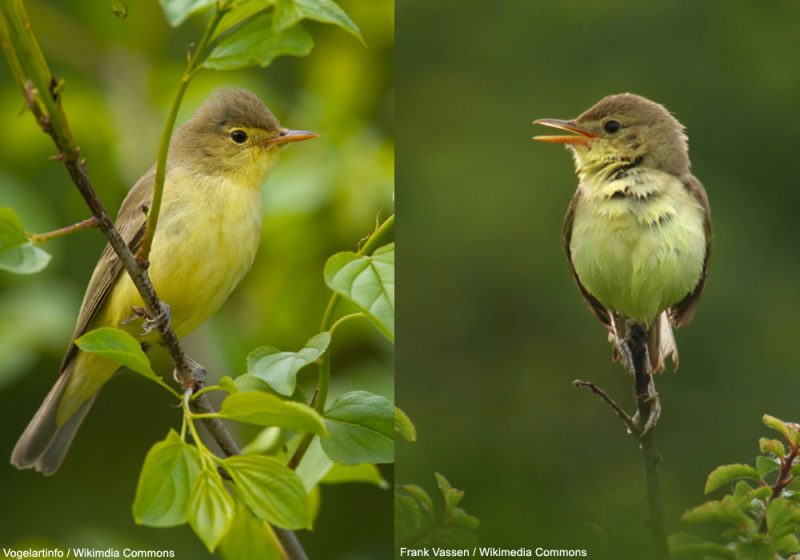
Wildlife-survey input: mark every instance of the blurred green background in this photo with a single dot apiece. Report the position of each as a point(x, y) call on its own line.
point(324, 197)
point(491, 327)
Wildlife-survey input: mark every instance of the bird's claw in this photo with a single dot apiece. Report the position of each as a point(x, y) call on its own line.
point(653, 407)
point(193, 377)
point(625, 355)
point(152, 323)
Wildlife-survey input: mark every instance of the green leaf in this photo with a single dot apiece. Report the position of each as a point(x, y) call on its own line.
point(290, 12)
point(121, 348)
point(279, 369)
point(168, 474)
point(361, 426)
point(742, 489)
point(368, 474)
point(255, 43)
point(783, 517)
point(690, 547)
point(272, 490)
point(754, 550)
point(117, 346)
point(728, 473)
point(422, 497)
point(452, 497)
point(227, 383)
point(413, 513)
point(418, 525)
point(790, 430)
point(265, 409)
point(210, 508)
point(314, 466)
point(726, 510)
point(758, 494)
point(266, 441)
point(404, 426)
point(766, 465)
point(766, 445)
point(17, 254)
point(240, 13)
point(787, 544)
point(367, 281)
point(176, 11)
point(250, 538)
point(747, 497)
point(791, 492)
point(247, 383)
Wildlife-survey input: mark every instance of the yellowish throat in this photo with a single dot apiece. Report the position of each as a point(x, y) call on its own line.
point(638, 230)
point(207, 237)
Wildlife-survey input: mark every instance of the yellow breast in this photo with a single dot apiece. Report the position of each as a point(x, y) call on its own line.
point(206, 241)
point(638, 243)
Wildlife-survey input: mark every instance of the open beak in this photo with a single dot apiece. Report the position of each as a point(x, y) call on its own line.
point(583, 137)
point(285, 136)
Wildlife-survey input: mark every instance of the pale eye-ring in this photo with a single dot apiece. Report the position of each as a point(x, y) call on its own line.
point(238, 136)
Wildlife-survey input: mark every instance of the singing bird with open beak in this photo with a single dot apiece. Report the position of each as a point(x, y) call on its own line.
point(638, 230)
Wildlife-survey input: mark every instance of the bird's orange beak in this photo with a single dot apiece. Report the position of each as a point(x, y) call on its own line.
point(583, 137)
point(285, 136)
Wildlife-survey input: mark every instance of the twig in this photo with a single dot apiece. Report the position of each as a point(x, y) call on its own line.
point(624, 416)
point(38, 238)
point(783, 480)
point(291, 544)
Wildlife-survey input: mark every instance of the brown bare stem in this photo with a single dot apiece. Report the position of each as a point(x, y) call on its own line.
point(783, 480)
point(38, 238)
point(624, 416)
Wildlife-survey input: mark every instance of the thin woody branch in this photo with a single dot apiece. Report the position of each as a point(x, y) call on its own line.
point(784, 478)
point(88, 223)
point(624, 416)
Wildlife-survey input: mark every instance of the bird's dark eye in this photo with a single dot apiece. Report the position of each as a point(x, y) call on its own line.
point(612, 126)
point(239, 136)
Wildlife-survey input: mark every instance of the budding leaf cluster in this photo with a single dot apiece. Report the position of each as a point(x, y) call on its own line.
point(419, 522)
point(761, 514)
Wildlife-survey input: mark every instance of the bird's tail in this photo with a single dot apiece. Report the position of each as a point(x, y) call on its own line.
point(44, 444)
point(661, 344)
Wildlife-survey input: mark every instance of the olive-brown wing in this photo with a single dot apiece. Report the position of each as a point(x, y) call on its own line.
point(130, 223)
point(682, 312)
